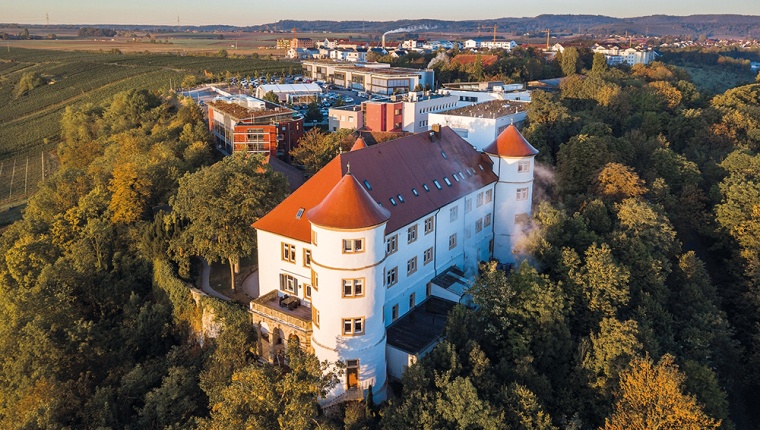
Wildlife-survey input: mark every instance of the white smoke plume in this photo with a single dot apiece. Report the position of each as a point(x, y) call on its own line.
point(526, 232)
point(409, 29)
point(440, 57)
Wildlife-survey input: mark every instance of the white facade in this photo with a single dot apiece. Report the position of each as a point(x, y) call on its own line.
point(514, 195)
point(466, 98)
point(615, 55)
point(394, 267)
point(417, 106)
point(479, 132)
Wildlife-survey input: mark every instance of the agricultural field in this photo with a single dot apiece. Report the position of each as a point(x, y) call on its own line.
point(30, 122)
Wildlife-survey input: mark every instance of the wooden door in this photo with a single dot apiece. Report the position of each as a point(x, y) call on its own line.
point(352, 373)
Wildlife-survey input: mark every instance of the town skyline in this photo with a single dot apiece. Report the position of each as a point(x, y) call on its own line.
point(241, 13)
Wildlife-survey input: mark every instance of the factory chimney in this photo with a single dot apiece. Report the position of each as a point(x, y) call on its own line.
point(383, 44)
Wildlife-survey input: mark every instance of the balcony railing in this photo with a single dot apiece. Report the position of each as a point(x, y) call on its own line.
point(268, 306)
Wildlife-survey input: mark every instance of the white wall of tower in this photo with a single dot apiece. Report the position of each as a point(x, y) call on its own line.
point(513, 198)
point(332, 266)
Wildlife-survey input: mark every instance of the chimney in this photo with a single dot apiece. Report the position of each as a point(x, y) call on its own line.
point(435, 131)
point(383, 41)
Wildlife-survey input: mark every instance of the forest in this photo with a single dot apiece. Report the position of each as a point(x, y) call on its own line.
point(636, 303)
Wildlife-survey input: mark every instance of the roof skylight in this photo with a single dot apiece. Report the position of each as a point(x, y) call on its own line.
point(414, 191)
point(425, 187)
point(366, 184)
point(446, 179)
point(437, 184)
point(393, 201)
point(300, 213)
point(400, 198)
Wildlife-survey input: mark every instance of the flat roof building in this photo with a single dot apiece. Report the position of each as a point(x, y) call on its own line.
point(479, 124)
point(241, 123)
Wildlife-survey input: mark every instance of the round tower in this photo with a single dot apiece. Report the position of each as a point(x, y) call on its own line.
point(348, 238)
point(513, 163)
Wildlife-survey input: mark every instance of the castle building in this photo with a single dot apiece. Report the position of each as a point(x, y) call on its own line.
point(362, 263)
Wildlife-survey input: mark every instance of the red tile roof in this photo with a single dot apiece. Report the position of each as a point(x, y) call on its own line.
point(359, 144)
point(510, 143)
point(348, 206)
point(387, 170)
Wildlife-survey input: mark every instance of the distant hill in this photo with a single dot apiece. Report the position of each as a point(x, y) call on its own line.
point(712, 26)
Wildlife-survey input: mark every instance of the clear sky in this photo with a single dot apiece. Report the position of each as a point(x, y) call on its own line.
point(252, 12)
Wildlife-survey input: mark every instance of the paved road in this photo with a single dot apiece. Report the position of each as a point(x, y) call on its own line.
point(205, 286)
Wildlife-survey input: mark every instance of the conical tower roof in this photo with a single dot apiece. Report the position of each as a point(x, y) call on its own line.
point(359, 144)
point(510, 143)
point(348, 206)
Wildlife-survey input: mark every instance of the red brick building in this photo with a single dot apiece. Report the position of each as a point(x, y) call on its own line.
point(247, 124)
point(383, 116)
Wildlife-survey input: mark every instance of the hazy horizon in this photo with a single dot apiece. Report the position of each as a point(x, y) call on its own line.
point(243, 13)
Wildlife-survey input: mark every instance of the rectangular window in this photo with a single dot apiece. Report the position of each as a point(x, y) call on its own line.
point(453, 241)
point(391, 244)
point(453, 213)
point(523, 166)
point(429, 289)
point(427, 256)
point(411, 266)
point(313, 237)
point(353, 326)
point(467, 233)
point(480, 199)
point(314, 280)
point(478, 225)
point(411, 234)
point(487, 220)
point(288, 283)
point(307, 291)
point(394, 313)
point(288, 253)
point(429, 224)
point(467, 205)
point(307, 257)
point(489, 196)
point(315, 316)
point(522, 194)
point(391, 277)
point(412, 300)
point(353, 245)
point(353, 287)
